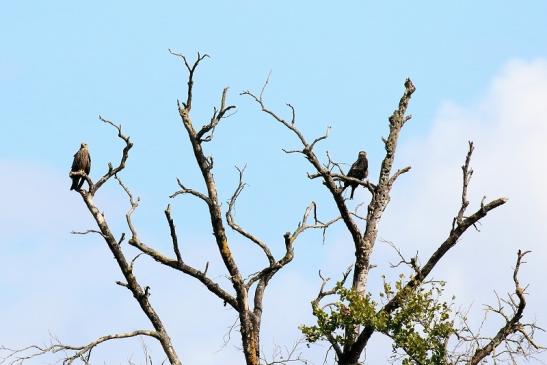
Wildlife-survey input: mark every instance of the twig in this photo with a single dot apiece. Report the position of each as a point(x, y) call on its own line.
point(125, 154)
point(88, 232)
point(215, 119)
point(185, 190)
point(236, 227)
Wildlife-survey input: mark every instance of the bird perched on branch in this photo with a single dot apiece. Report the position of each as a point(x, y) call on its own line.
point(359, 170)
point(82, 162)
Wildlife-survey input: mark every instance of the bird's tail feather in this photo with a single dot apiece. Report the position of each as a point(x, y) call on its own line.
point(74, 183)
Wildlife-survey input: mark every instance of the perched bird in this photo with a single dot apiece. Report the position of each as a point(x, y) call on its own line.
point(82, 162)
point(359, 170)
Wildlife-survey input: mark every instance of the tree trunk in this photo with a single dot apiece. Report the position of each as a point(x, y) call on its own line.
point(250, 337)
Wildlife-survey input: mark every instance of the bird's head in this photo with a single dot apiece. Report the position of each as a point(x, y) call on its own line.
point(362, 154)
point(83, 145)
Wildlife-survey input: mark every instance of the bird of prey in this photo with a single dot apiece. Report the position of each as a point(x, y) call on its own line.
point(359, 170)
point(82, 162)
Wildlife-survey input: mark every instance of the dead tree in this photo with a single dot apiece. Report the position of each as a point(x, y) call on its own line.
point(350, 347)
point(247, 292)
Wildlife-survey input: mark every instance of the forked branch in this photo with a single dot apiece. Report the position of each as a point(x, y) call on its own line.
point(125, 155)
point(218, 114)
point(324, 281)
point(289, 240)
point(178, 263)
point(467, 172)
point(185, 190)
point(191, 69)
point(236, 227)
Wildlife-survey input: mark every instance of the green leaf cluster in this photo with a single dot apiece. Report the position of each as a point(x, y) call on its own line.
point(419, 327)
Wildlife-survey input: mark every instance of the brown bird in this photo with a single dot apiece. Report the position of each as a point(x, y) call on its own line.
point(359, 170)
point(82, 162)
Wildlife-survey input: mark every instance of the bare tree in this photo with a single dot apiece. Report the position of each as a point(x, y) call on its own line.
point(352, 329)
point(247, 293)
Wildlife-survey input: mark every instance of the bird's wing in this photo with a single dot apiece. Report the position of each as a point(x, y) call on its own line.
point(354, 168)
point(88, 163)
point(75, 162)
point(85, 161)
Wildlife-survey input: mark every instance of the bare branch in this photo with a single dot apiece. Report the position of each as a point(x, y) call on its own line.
point(324, 293)
point(191, 69)
point(113, 170)
point(467, 172)
point(454, 237)
point(293, 112)
point(264, 88)
point(286, 355)
point(228, 335)
point(303, 225)
point(185, 190)
point(121, 283)
point(264, 276)
point(341, 177)
point(512, 325)
point(88, 232)
point(122, 237)
point(292, 151)
point(232, 223)
point(173, 232)
point(319, 139)
point(215, 119)
point(187, 269)
point(132, 263)
point(287, 124)
point(134, 204)
point(412, 263)
point(83, 352)
point(179, 264)
point(331, 164)
point(399, 173)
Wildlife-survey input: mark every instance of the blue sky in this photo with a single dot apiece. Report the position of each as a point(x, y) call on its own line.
point(479, 70)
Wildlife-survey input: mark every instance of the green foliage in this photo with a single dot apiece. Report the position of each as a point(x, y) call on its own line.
point(419, 327)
